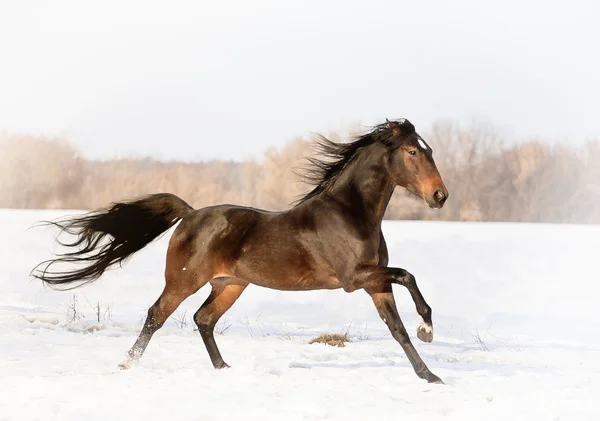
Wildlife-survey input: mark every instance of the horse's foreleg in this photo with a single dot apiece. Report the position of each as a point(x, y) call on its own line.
point(425, 328)
point(371, 276)
point(383, 298)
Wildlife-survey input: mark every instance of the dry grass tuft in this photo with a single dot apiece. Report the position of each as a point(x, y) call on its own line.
point(333, 339)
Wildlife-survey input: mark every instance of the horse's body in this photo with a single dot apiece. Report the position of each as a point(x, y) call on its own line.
point(331, 239)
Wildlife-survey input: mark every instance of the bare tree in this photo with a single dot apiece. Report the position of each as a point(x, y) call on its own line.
point(488, 181)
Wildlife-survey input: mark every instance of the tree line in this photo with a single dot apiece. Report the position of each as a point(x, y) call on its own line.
point(488, 179)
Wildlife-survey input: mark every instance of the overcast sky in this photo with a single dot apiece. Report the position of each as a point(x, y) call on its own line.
point(227, 79)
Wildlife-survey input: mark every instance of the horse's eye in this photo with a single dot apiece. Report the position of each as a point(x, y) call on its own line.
point(413, 153)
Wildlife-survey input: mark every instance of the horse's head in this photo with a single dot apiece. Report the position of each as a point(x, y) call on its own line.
point(411, 164)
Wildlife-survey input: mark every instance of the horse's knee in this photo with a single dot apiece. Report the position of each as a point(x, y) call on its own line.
point(399, 333)
point(410, 280)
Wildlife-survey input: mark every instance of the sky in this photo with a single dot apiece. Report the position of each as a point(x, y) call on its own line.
point(198, 80)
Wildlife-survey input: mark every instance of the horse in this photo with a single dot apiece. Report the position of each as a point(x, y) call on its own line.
point(331, 238)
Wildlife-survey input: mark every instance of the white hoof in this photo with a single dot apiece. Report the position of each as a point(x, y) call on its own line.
point(425, 331)
point(125, 365)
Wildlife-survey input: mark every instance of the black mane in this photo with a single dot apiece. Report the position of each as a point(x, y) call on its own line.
point(325, 169)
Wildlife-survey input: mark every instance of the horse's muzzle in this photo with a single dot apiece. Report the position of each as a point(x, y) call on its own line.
point(438, 199)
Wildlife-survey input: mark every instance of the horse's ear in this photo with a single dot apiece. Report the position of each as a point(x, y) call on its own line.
point(407, 126)
point(394, 126)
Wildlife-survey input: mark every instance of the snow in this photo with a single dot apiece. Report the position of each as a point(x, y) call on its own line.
point(527, 291)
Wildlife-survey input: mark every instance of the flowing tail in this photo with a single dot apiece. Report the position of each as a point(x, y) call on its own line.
point(131, 226)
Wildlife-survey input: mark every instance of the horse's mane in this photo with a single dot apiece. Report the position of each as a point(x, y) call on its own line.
point(334, 157)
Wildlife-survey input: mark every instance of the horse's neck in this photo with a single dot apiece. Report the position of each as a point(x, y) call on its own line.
point(365, 187)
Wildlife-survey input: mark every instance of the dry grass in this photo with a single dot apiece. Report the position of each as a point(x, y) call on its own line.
point(333, 339)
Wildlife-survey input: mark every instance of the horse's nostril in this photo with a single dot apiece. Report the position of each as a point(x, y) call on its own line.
point(439, 195)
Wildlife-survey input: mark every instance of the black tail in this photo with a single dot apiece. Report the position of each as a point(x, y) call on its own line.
point(132, 226)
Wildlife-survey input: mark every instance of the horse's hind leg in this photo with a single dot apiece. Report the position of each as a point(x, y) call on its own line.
point(224, 293)
point(158, 314)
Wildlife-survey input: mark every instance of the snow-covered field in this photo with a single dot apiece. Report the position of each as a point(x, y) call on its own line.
point(517, 336)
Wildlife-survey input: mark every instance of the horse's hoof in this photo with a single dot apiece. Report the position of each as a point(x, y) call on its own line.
point(435, 380)
point(125, 365)
point(221, 366)
point(425, 332)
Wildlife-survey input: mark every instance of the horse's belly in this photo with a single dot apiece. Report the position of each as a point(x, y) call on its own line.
point(309, 284)
point(291, 282)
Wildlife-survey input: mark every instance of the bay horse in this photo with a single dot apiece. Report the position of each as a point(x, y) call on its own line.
point(329, 239)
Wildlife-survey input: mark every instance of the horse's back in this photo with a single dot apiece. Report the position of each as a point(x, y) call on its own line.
point(206, 225)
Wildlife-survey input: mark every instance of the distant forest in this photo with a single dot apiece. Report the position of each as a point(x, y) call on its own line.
point(488, 179)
